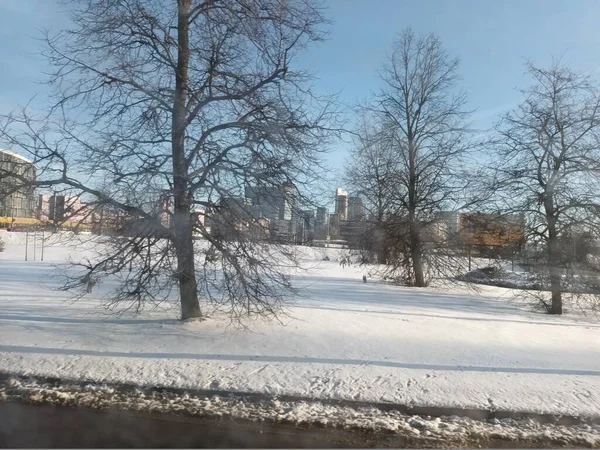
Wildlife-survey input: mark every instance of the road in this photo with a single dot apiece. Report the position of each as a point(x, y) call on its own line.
point(28, 426)
point(39, 426)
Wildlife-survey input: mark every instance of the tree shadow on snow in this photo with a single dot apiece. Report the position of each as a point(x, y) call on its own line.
point(328, 292)
point(440, 316)
point(84, 320)
point(298, 360)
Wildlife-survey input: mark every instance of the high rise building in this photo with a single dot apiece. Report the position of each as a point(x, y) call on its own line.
point(446, 226)
point(322, 215)
point(236, 207)
point(341, 203)
point(305, 226)
point(17, 196)
point(334, 225)
point(58, 208)
point(356, 211)
point(271, 202)
point(322, 224)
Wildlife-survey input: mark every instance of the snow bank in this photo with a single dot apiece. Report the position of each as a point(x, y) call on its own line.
point(452, 429)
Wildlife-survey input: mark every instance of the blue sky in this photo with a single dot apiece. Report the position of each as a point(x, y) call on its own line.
point(491, 38)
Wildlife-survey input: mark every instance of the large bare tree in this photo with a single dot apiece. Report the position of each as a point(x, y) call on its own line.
point(548, 167)
point(189, 101)
point(420, 122)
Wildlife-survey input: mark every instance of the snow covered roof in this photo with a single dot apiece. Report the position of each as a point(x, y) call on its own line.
point(16, 155)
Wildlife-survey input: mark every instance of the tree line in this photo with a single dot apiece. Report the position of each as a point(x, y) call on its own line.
point(414, 158)
point(200, 98)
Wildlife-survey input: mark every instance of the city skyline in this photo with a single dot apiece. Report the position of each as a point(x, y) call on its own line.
point(492, 40)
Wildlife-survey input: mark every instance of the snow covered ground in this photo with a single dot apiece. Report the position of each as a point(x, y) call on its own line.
point(344, 340)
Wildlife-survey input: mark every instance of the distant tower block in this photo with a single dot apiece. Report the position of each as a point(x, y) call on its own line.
point(341, 203)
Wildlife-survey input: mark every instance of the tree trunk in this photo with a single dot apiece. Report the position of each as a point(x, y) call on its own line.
point(381, 255)
point(186, 273)
point(414, 228)
point(381, 243)
point(555, 284)
point(553, 256)
point(182, 220)
point(556, 307)
point(415, 252)
point(418, 268)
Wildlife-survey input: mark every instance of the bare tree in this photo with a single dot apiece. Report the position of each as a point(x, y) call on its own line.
point(195, 98)
point(547, 167)
point(420, 122)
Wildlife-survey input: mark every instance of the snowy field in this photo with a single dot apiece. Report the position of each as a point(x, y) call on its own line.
point(344, 340)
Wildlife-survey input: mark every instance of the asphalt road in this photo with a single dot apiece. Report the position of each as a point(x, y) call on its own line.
point(28, 426)
point(45, 426)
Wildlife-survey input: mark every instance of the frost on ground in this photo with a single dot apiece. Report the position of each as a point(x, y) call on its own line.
point(452, 429)
point(343, 340)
